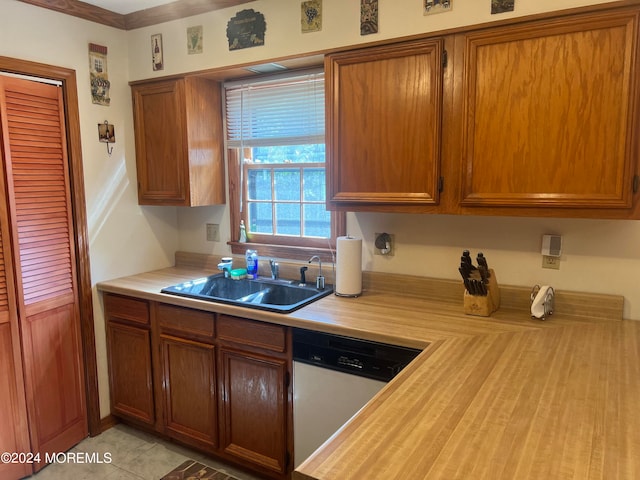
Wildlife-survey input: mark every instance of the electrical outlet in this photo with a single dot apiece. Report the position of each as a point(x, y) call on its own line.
point(380, 245)
point(213, 232)
point(551, 262)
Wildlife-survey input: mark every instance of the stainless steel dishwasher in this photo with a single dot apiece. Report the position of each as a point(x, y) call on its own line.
point(333, 378)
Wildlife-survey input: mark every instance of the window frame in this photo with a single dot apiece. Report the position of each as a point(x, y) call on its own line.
point(289, 247)
point(295, 248)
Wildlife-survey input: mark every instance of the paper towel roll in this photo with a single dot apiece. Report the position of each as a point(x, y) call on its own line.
point(348, 266)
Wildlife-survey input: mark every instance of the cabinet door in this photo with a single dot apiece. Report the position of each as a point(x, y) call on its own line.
point(159, 120)
point(130, 374)
point(189, 391)
point(179, 142)
point(383, 128)
point(550, 113)
point(254, 408)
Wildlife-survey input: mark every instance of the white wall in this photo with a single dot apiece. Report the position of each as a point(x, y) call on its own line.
point(599, 256)
point(124, 238)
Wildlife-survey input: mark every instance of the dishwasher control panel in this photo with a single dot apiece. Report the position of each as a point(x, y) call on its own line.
point(365, 358)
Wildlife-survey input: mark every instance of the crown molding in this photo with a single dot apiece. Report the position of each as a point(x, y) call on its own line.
point(139, 19)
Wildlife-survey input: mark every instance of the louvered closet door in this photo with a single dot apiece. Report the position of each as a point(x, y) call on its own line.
point(14, 432)
point(40, 208)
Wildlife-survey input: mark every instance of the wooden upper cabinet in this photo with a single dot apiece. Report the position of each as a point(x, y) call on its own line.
point(550, 113)
point(383, 122)
point(179, 142)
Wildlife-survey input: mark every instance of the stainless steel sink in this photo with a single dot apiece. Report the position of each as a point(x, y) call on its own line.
point(282, 296)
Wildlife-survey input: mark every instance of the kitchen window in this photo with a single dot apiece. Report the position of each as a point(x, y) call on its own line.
point(276, 152)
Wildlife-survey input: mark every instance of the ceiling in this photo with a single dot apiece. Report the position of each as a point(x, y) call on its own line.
point(124, 7)
point(131, 14)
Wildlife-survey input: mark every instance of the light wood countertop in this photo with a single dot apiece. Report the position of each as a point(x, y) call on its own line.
point(502, 397)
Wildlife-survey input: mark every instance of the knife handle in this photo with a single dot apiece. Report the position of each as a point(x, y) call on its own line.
point(466, 258)
point(484, 274)
point(463, 273)
point(483, 261)
point(467, 285)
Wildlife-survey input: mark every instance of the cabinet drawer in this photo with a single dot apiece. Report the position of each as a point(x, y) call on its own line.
point(185, 322)
point(252, 333)
point(126, 309)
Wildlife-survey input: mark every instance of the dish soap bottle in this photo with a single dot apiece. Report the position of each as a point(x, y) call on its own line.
point(252, 263)
point(243, 232)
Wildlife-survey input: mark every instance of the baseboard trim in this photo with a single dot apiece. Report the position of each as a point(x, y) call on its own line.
point(107, 422)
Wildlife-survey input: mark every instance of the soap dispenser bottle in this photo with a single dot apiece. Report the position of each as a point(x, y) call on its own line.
point(252, 263)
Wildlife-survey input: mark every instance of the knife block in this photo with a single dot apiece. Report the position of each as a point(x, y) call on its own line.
point(479, 305)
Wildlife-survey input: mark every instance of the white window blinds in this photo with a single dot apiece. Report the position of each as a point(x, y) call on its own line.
point(280, 111)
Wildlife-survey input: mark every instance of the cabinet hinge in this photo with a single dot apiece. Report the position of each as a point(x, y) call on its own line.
point(287, 459)
point(636, 183)
point(445, 59)
point(440, 184)
point(287, 379)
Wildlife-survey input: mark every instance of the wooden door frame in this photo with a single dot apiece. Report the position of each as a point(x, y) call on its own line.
point(79, 215)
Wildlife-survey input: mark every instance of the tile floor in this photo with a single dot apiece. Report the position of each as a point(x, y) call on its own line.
point(135, 455)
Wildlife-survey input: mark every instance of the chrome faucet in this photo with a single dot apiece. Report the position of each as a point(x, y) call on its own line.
point(275, 269)
point(319, 278)
point(226, 268)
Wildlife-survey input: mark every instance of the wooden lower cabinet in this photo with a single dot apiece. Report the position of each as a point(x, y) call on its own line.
point(189, 391)
point(129, 359)
point(131, 387)
point(254, 390)
point(218, 383)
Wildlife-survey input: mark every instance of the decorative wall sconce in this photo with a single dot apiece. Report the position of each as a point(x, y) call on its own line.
point(107, 134)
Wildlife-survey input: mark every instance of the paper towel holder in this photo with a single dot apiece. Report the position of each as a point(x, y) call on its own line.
point(348, 255)
point(383, 243)
point(349, 295)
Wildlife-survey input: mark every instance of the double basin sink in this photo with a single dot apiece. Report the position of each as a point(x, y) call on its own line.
point(281, 296)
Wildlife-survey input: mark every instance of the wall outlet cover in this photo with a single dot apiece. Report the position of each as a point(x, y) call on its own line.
point(550, 262)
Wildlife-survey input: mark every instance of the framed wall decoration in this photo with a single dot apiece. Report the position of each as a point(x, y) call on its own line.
point(157, 57)
point(437, 6)
point(501, 6)
point(194, 40)
point(311, 16)
point(107, 134)
point(98, 74)
point(246, 29)
point(368, 17)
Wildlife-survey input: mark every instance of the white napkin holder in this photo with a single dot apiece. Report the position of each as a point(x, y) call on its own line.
point(542, 301)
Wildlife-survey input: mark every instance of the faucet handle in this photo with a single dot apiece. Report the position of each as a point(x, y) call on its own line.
point(303, 280)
